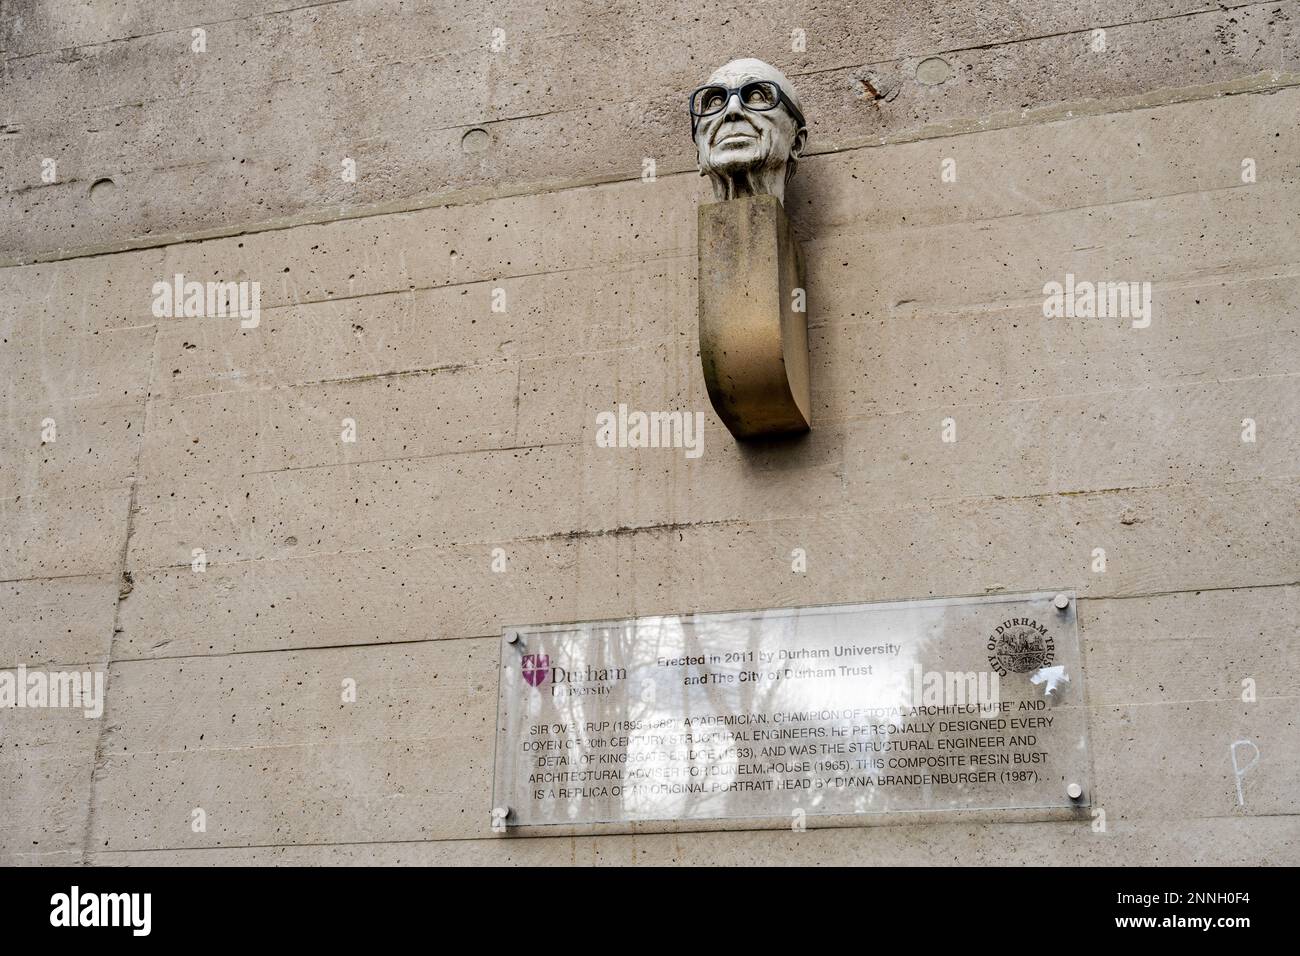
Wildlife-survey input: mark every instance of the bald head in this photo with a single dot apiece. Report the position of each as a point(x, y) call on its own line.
point(747, 68)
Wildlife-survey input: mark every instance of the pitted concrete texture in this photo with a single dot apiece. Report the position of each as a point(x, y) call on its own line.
point(327, 560)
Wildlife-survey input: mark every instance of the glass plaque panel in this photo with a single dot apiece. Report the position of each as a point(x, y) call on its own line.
point(956, 704)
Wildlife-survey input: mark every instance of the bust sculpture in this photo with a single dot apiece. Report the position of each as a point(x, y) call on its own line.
point(749, 130)
point(749, 133)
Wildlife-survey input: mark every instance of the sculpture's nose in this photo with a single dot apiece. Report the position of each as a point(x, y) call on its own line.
point(734, 109)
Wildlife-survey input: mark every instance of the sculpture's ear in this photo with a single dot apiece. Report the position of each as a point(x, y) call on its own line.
point(800, 139)
point(796, 150)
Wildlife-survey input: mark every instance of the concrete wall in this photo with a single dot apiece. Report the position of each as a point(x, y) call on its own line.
point(476, 428)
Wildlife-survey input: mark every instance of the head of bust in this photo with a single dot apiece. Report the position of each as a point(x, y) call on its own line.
point(749, 129)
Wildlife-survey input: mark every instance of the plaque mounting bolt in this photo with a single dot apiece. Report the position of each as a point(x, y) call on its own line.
point(512, 637)
point(1062, 601)
point(1074, 791)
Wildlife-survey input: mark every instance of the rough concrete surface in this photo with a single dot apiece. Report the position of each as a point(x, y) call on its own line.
point(514, 177)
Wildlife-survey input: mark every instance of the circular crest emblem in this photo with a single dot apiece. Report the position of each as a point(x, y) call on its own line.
point(1021, 646)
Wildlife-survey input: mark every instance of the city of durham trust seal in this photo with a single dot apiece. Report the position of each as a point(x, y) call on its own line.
point(1019, 646)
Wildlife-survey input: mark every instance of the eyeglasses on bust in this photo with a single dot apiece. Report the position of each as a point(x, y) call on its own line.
point(760, 95)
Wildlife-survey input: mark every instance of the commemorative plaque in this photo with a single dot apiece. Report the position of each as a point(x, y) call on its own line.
point(955, 704)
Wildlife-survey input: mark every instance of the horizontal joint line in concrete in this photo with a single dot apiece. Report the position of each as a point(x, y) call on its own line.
point(381, 461)
point(841, 232)
point(1202, 279)
point(106, 573)
point(604, 267)
point(181, 29)
point(658, 828)
point(1065, 396)
point(1090, 492)
point(1118, 25)
point(1084, 600)
point(276, 846)
point(720, 522)
point(1262, 83)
